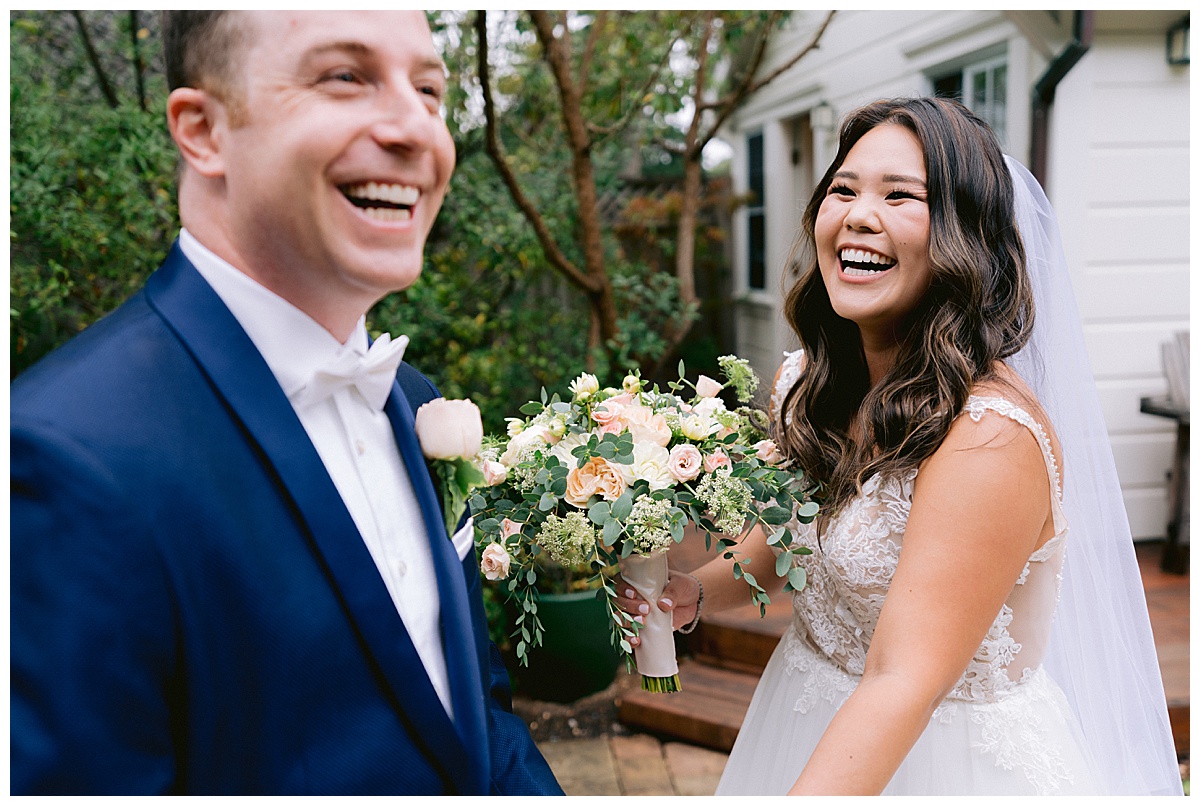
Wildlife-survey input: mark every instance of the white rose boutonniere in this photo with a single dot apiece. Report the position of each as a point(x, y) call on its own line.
point(451, 437)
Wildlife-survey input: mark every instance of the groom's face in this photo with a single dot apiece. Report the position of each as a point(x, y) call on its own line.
point(339, 161)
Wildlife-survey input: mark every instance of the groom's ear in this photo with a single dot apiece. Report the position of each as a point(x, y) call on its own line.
point(198, 120)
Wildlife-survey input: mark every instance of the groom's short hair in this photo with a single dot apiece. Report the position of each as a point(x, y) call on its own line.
point(204, 50)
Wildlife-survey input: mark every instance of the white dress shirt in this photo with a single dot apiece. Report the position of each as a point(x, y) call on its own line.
point(355, 442)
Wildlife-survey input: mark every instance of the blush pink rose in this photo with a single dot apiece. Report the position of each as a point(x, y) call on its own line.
point(495, 562)
point(707, 387)
point(685, 462)
point(493, 472)
point(608, 416)
point(508, 528)
point(646, 425)
point(715, 460)
point(767, 451)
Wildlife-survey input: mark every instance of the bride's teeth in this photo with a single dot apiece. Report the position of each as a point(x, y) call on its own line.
point(859, 272)
point(387, 214)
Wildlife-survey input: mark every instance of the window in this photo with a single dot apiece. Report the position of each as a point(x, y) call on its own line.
point(757, 258)
point(982, 87)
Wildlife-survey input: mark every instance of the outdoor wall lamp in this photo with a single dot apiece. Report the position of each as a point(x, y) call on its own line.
point(821, 117)
point(1179, 44)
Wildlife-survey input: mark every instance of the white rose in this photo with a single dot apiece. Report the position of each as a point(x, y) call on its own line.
point(707, 387)
point(449, 429)
point(709, 406)
point(567, 444)
point(651, 463)
point(495, 562)
point(632, 384)
point(515, 426)
point(532, 435)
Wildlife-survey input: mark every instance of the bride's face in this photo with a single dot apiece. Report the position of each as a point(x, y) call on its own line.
point(872, 233)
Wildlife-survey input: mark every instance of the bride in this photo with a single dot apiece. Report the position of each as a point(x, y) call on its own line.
point(973, 621)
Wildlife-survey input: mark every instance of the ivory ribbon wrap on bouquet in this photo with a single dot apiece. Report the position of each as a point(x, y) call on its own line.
point(655, 655)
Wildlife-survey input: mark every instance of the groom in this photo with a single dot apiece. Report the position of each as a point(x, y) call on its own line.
point(229, 572)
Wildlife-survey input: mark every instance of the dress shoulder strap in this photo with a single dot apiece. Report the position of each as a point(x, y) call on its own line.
point(975, 408)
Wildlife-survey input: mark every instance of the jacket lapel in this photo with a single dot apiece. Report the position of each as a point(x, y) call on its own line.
point(227, 356)
point(458, 636)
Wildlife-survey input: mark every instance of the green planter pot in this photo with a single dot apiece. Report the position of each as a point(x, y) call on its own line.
point(576, 657)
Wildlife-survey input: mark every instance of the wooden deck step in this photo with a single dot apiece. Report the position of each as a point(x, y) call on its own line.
point(707, 712)
point(742, 639)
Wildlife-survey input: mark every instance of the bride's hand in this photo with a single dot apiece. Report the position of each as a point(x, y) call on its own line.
point(678, 598)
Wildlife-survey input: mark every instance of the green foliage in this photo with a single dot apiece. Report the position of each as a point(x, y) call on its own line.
point(92, 199)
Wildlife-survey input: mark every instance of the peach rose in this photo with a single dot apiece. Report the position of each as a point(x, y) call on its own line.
point(716, 459)
point(509, 527)
point(685, 462)
point(495, 562)
point(596, 477)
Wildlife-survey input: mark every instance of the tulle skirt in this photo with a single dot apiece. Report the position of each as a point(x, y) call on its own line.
point(1026, 743)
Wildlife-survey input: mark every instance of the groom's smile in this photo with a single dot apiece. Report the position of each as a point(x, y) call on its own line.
point(383, 201)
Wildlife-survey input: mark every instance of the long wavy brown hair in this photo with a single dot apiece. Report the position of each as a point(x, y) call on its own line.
point(977, 311)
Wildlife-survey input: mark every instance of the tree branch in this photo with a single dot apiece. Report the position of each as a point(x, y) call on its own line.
point(494, 149)
point(139, 68)
point(589, 48)
point(106, 89)
point(729, 104)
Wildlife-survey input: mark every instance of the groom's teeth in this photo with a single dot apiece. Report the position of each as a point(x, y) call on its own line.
point(378, 191)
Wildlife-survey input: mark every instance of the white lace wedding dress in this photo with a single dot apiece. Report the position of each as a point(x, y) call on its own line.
point(1005, 728)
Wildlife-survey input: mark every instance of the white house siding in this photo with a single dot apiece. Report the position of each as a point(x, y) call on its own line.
point(1118, 176)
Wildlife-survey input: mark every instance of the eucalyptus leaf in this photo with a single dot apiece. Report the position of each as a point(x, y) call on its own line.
point(782, 563)
point(598, 513)
point(797, 578)
point(623, 506)
point(776, 516)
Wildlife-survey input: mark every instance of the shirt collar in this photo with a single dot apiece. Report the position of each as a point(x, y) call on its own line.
point(292, 343)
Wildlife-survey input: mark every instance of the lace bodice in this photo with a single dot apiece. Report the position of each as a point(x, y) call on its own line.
point(852, 566)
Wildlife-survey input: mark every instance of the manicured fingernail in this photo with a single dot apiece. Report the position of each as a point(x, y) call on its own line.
point(643, 608)
point(629, 593)
point(667, 602)
point(639, 619)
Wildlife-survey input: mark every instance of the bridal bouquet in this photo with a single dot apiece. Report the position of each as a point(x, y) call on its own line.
point(611, 478)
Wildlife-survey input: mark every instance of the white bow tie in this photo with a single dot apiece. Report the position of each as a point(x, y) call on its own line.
point(373, 373)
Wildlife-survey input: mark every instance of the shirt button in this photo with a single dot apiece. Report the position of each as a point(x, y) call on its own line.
point(360, 446)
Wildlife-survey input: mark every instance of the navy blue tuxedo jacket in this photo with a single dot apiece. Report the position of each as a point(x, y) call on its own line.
point(192, 607)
